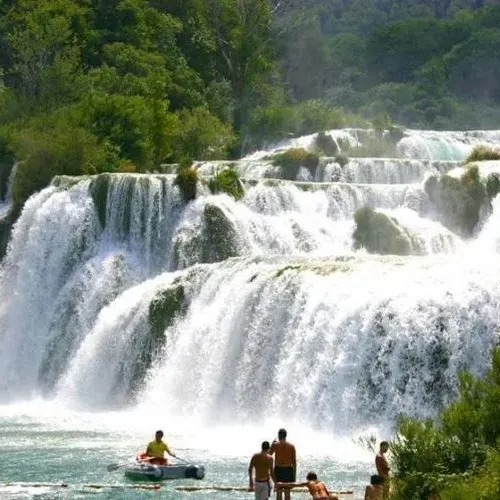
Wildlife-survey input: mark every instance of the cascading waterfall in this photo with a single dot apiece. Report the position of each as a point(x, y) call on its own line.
point(114, 291)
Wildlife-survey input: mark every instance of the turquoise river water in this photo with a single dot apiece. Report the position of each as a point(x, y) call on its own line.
point(42, 443)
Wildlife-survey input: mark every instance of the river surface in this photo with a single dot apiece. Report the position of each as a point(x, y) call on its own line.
point(42, 443)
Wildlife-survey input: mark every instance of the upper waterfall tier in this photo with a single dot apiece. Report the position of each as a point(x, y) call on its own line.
point(415, 144)
point(356, 170)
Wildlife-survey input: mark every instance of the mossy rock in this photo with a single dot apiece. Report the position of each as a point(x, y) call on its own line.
point(6, 225)
point(483, 153)
point(5, 171)
point(219, 235)
point(395, 133)
point(459, 203)
point(165, 308)
point(342, 160)
point(99, 188)
point(325, 145)
point(227, 181)
point(493, 185)
point(380, 234)
point(214, 241)
point(291, 160)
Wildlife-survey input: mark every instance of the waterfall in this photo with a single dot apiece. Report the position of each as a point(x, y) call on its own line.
point(115, 292)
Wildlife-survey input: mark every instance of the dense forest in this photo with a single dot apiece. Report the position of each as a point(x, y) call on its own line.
point(124, 85)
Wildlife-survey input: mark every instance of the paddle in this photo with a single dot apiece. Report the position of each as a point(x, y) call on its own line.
point(112, 467)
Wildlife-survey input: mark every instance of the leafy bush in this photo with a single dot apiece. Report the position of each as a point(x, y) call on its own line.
point(457, 453)
point(202, 136)
point(187, 180)
point(291, 160)
point(227, 181)
point(62, 150)
point(481, 153)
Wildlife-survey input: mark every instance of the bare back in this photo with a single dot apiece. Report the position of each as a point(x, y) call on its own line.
point(318, 490)
point(374, 492)
point(263, 464)
point(284, 453)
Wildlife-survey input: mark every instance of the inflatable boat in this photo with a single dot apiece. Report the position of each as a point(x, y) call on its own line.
point(142, 471)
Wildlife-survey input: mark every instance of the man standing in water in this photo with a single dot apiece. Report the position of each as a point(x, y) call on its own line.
point(383, 468)
point(285, 463)
point(156, 450)
point(263, 464)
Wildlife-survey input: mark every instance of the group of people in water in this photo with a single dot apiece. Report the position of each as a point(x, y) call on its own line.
point(281, 470)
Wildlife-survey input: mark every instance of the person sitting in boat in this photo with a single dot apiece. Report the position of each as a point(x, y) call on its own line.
point(316, 488)
point(155, 452)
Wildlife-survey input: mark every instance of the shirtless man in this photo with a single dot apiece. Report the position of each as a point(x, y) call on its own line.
point(285, 464)
point(375, 490)
point(316, 488)
point(263, 464)
point(383, 468)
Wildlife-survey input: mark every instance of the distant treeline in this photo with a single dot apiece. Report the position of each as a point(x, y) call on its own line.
point(424, 63)
point(88, 86)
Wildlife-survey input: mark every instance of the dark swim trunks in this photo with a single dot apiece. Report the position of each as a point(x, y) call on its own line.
point(284, 474)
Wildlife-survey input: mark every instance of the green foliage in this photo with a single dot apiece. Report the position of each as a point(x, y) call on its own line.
point(291, 160)
point(380, 234)
point(458, 202)
point(54, 150)
point(458, 455)
point(187, 180)
point(481, 153)
point(139, 129)
point(202, 136)
point(227, 181)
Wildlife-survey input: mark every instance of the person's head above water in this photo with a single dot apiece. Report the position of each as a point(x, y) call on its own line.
point(265, 446)
point(312, 476)
point(376, 480)
point(282, 434)
point(158, 435)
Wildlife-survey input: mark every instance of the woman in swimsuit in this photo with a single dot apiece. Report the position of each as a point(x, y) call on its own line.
point(316, 488)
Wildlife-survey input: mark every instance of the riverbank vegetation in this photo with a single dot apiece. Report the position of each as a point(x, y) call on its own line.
point(126, 85)
point(458, 454)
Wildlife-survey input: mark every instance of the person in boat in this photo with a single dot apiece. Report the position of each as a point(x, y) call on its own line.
point(383, 468)
point(316, 488)
point(375, 490)
point(285, 463)
point(262, 462)
point(155, 451)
